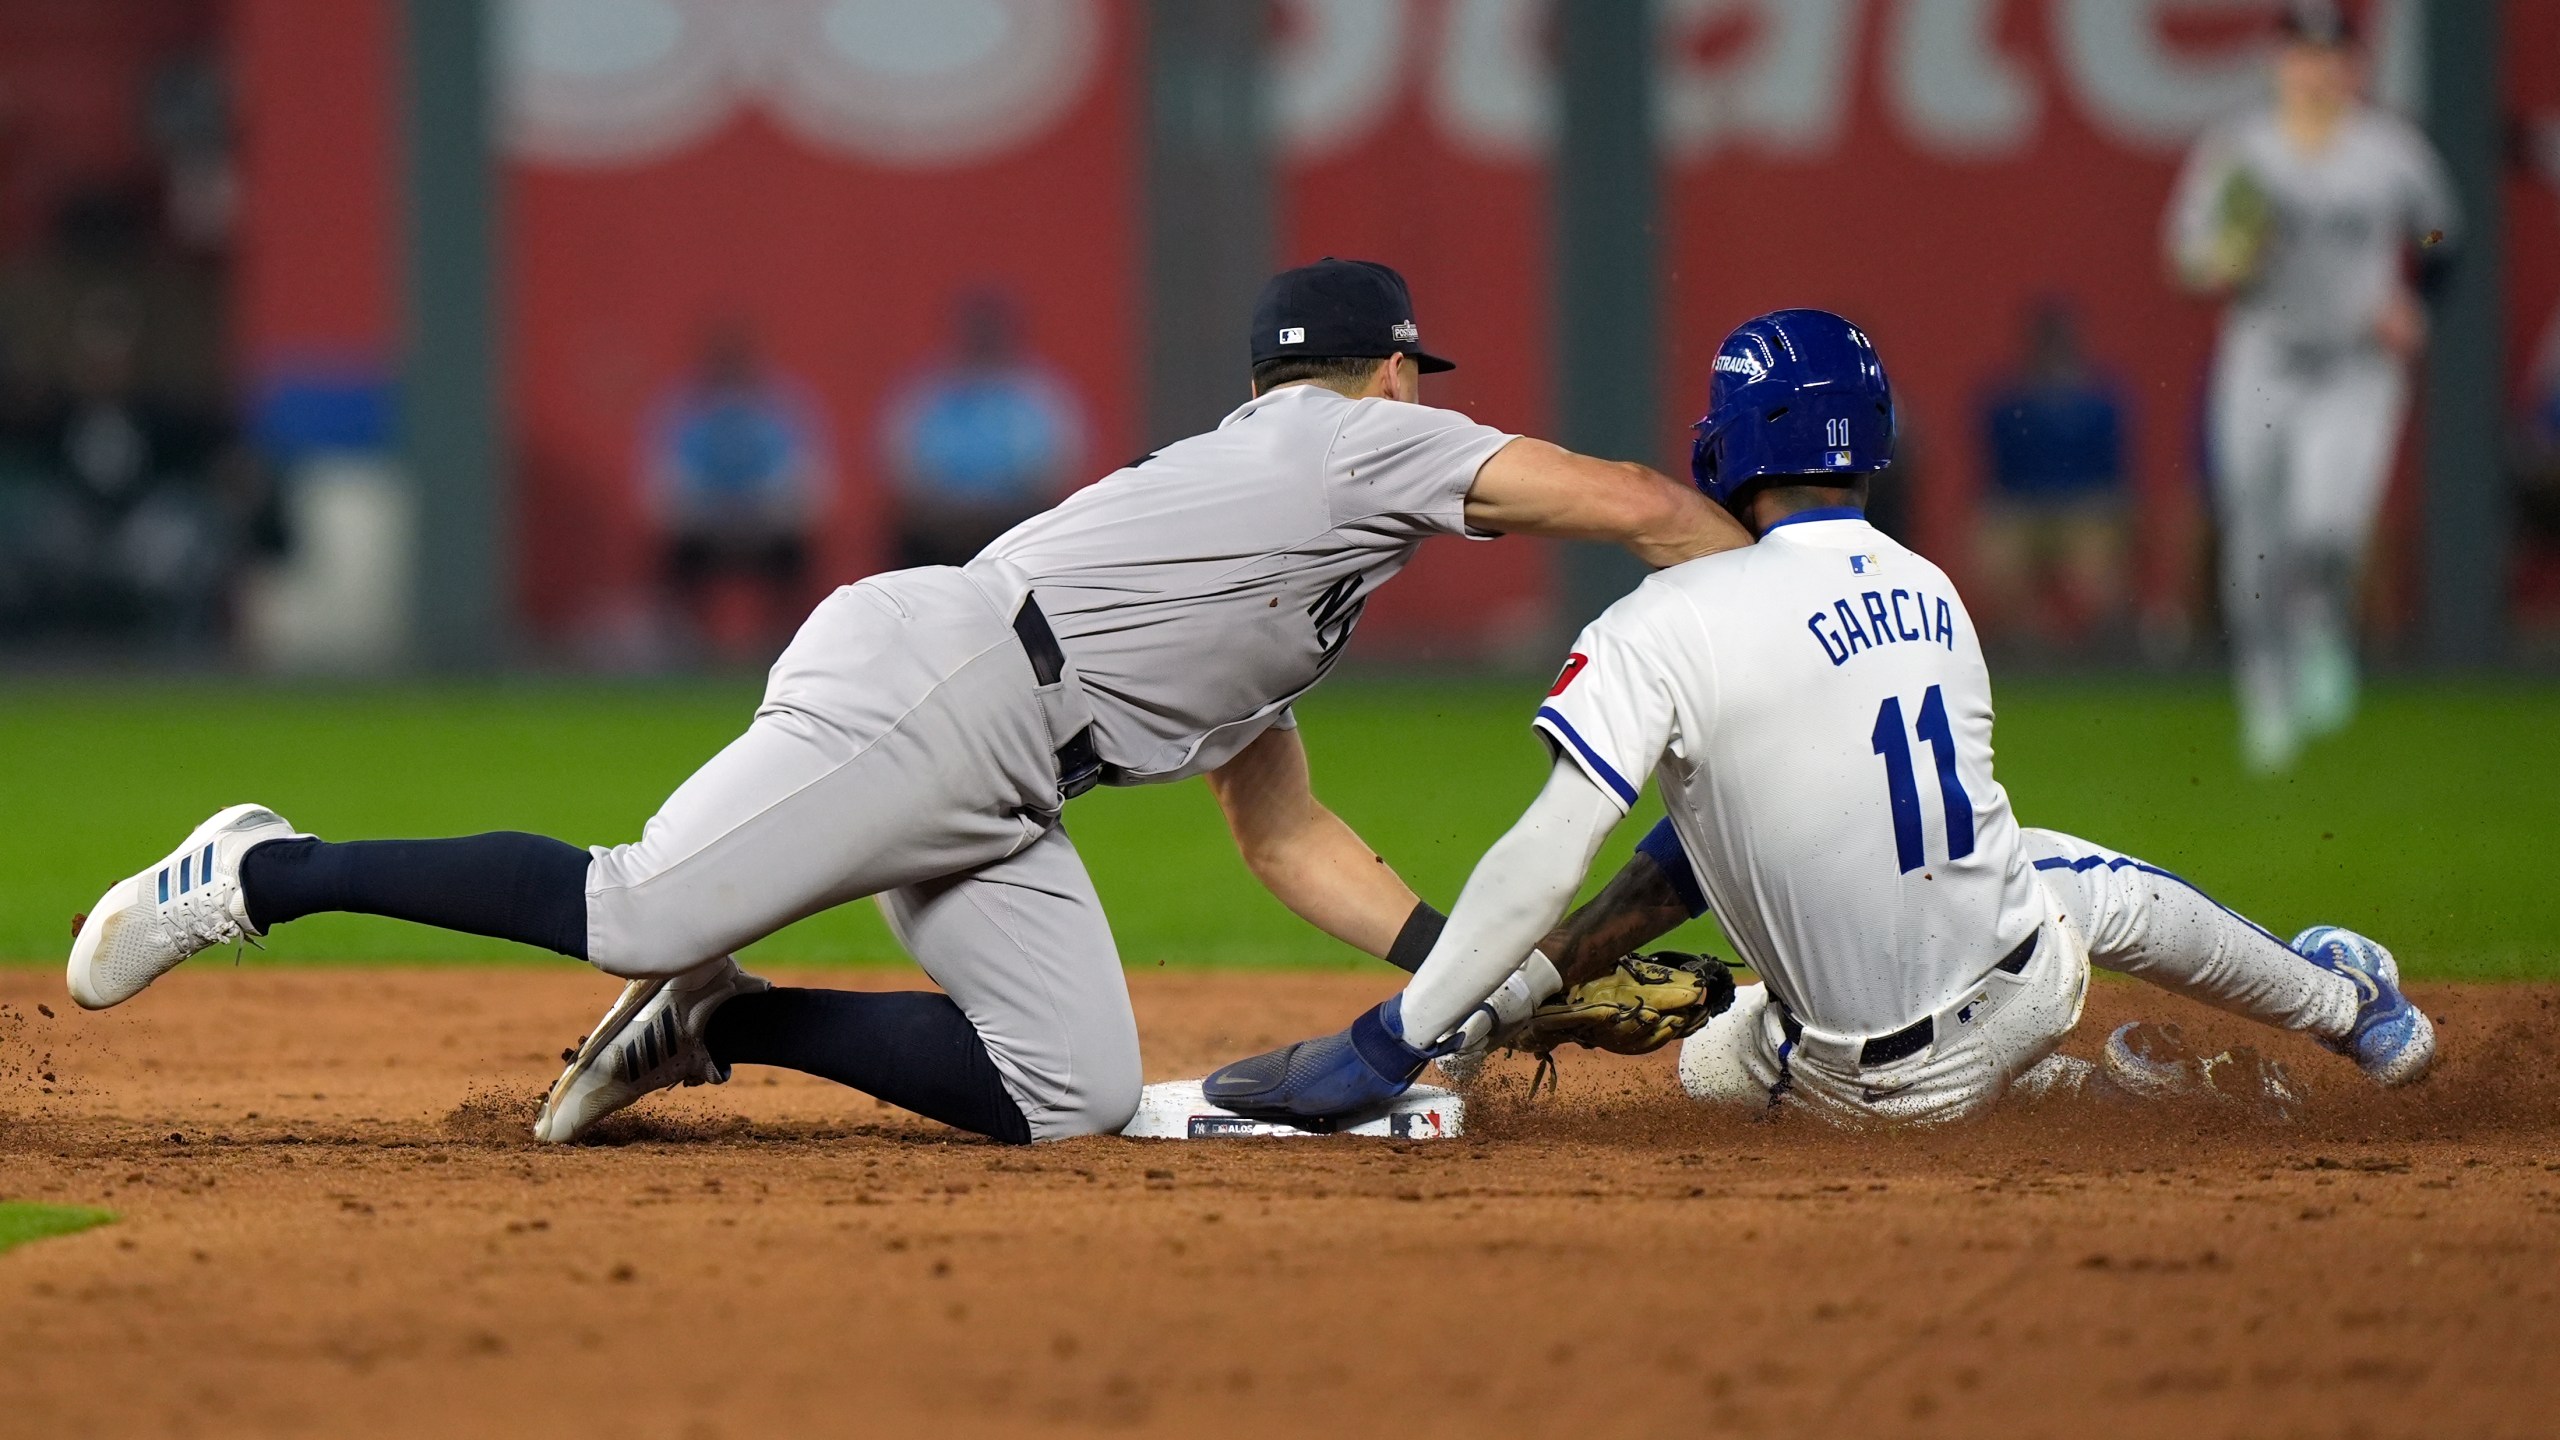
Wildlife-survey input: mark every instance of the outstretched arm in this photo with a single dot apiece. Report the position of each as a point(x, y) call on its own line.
point(1639, 906)
point(1530, 487)
point(1302, 852)
point(1518, 891)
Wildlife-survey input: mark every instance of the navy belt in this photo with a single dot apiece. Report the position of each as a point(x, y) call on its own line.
point(1913, 1038)
point(1079, 763)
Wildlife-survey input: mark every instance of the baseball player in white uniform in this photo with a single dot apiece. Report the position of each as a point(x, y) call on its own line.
point(1816, 711)
point(2307, 214)
point(920, 739)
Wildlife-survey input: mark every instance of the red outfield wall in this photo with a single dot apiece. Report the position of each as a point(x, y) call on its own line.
point(837, 174)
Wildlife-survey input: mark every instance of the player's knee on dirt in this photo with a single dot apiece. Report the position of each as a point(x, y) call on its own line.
point(1716, 1063)
point(1099, 1100)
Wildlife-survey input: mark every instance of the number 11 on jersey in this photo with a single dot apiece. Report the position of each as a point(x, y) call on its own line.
point(1902, 785)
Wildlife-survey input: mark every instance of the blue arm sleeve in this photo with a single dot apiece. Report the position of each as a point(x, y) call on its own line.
point(1663, 845)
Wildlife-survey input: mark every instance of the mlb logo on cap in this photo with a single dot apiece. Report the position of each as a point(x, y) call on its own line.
point(1339, 309)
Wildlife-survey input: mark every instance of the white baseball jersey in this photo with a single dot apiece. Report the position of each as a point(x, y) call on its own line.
point(1819, 717)
point(1201, 590)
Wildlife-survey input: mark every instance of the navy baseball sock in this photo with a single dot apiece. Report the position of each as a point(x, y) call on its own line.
point(912, 1048)
point(508, 884)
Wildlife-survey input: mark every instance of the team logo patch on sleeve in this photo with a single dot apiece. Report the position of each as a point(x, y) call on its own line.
point(1573, 664)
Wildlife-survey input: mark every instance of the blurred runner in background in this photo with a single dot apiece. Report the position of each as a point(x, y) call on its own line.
point(2307, 215)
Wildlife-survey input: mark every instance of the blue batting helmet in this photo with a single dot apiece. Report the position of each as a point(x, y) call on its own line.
point(1796, 392)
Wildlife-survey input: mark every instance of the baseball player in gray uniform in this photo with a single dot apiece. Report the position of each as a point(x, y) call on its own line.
point(2306, 215)
point(923, 733)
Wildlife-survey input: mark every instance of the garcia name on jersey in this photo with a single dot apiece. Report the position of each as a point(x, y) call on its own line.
point(1881, 617)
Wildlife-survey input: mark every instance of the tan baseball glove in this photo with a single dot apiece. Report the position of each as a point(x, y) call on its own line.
point(1643, 1003)
point(2244, 223)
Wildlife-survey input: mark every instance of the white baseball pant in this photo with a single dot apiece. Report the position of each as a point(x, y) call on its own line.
point(2108, 909)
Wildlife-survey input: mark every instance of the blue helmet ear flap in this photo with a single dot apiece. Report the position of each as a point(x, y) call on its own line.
point(1703, 458)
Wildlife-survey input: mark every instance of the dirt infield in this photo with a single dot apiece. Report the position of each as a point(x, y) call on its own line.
point(335, 1223)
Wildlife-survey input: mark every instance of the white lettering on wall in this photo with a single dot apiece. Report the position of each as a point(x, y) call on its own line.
point(2140, 89)
point(948, 82)
point(1336, 72)
point(896, 82)
point(1493, 87)
point(1493, 91)
point(1954, 92)
point(1786, 90)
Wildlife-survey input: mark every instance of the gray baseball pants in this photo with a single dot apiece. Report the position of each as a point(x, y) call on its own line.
point(904, 749)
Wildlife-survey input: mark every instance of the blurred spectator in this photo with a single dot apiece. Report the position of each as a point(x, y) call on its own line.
point(2054, 532)
point(2533, 462)
point(103, 235)
point(187, 110)
point(122, 515)
point(738, 470)
point(981, 443)
point(2533, 459)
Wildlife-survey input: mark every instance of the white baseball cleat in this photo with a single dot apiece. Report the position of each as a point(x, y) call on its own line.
point(148, 925)
point(650, 1040)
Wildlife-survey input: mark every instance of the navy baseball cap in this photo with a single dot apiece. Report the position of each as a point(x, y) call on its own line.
point(1339, 309)
point(2324, 23)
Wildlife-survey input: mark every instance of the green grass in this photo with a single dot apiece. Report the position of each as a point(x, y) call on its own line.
point(2430, 824)
point(21, 1222)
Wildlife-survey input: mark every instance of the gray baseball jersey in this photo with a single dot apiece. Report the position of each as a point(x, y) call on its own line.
point(907, 748)
point(2343, 219)
point(1202, 589)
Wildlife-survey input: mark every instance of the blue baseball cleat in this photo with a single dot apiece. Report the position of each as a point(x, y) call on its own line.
point(2393, 1041)
point(1324, 1079)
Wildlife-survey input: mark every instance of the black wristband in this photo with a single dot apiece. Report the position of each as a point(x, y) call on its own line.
point(2434, 271)
point(1413, 943)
